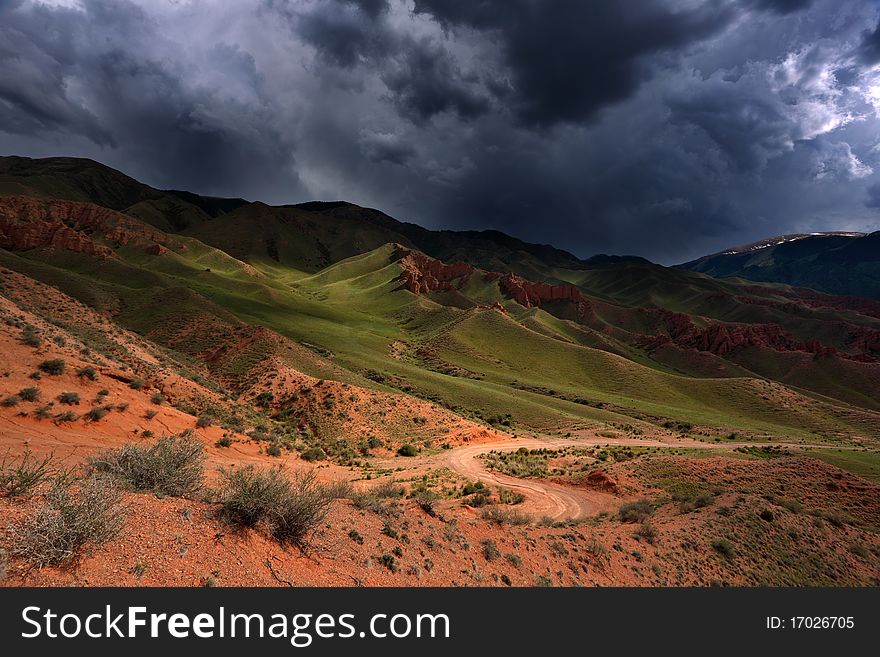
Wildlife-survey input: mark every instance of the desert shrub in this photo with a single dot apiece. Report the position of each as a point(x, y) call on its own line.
point(136, 384)
point(724, 547)
point(490, 549)
point(66, 416)
point(74, 514)
point(96, 413)
point(248, 495)
point(274, 449)
point(11, 400)
point(43, 412)
point(340, 490)
point(29, 394)
point(54, 366)
point(122, 406)
point(389, 562)
point(407, 450)
point(21, 476)
point(313, 454)
point(157, 398)
point(264, 399)
point(502, 516)
point(150, 414)
point(356, 536)
point(69, 398)
point(507, 496)
point(87, 372)
point(224, 441)
point(30, 336)
point(291, 506)
point(426, 500)
point(204, 421)
point(766, 515)
point(635, 511)
point(389, 490)
point(173, 465)
point(646, 532)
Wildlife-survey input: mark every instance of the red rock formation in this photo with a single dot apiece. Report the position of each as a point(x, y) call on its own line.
point(721, 339)
point(529, 294)
point(29, 223)
point(422, 274)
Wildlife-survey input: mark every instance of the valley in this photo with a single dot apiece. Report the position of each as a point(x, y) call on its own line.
point(660, 426)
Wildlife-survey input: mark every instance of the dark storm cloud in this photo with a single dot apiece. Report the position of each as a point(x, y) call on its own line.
point(869, 49)
point(101, 70)
point(666, 128)
point(570, 59)
point(873, 199)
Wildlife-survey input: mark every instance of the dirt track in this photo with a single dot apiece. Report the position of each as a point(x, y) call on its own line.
point(553, 500)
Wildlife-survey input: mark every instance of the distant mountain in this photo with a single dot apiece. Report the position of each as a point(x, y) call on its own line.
point(836, 263)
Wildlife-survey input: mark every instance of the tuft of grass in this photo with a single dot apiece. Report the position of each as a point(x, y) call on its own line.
point(87, 372)
point(11, 400)
point(30, 394)
point(725, 548)
point(636, 511)
point(54, 366)
point(505, 516)
point(173, 465)
point(69, 398)
point(74, 514)
point(292, 507)
point(19, 477)
point(204, 421)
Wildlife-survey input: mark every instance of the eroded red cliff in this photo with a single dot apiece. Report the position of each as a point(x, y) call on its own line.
point(29, 223)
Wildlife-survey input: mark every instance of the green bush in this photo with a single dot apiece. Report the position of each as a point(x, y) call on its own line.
point(173, 465)
point(11, 400)
point(224, 441)
point(274, 449)
point(54, 366)
point(157, 398)
point(136, 384)
point(407, 450)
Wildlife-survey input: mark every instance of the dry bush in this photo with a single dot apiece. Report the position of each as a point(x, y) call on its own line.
point(291, 506)
point(173, 465)
point(505, 516)
point(75, 512)
point(22, 475)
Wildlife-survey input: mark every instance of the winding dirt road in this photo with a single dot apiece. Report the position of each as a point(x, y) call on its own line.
point(555, 501)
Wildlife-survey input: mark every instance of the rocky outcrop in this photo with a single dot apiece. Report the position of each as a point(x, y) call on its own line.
point(721, 339)
point(422, 274)
point(30, 223)
point(530, 294)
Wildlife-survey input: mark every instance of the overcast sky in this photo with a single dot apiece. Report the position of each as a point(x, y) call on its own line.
point(664, 128)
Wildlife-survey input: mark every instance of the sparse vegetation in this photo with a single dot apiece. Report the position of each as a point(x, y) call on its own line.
point(87, 372)
point(54, 366)
point(30, 394)
point(407, 450)
point(502, 516)
point(20, 476)
point(75, 513)
point(636, 511)
point(291, 506)
point(173, 465)
point(69, 398)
